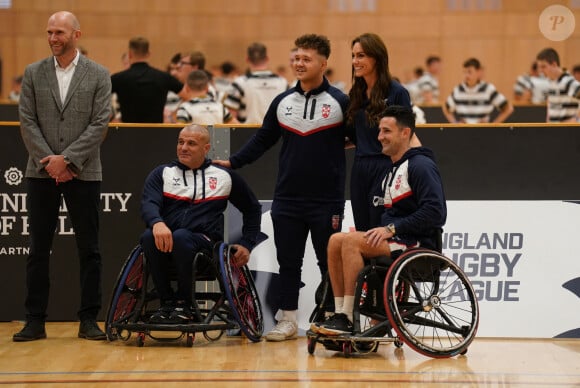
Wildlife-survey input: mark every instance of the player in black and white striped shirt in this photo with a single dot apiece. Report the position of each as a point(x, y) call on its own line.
point(251, 94)
point(531, 87)
point(200, 107)
point(473, 100)
point(428, 83)
point(564, 90)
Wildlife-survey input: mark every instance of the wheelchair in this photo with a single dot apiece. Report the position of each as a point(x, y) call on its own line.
point(232, 306)
point(421, 299)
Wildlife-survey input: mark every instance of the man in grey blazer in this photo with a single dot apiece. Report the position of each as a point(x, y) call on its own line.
point(64, 114)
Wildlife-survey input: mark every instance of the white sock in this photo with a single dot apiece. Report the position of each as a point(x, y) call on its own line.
point(338, 303)
point(290, 315)
point(348, 306)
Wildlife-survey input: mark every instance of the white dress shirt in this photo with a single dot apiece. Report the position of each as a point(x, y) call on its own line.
point(64, 76)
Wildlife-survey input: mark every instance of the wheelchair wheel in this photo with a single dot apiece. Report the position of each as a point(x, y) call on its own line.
point(141, 340)
point(128, 290)
point(437, 313)
point(365, 347)
point(242, 295)
point(189, 338)
point(311, 345)
point(213, 337)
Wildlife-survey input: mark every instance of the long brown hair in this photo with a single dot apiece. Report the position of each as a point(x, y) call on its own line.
point(374, 47)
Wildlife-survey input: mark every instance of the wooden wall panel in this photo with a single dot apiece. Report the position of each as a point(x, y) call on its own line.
point(457, 50)
point(523, 6)
point(505, 40)
point(469, 25)
point(415, 7)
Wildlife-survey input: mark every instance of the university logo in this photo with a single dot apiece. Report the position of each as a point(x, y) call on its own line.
point(325, 110)
point(13, 176)
point(176, 181)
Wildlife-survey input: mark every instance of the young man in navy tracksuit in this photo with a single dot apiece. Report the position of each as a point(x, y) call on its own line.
point(309, 193)
point(414, 213)
point(182, 205)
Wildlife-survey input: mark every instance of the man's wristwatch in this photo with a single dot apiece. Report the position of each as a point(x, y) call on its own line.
point(390, 228)
point(66, 159)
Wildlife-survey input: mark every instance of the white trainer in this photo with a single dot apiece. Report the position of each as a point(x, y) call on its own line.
point(284, 330)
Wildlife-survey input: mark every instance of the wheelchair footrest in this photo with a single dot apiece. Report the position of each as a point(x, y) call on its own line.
point(346, 338)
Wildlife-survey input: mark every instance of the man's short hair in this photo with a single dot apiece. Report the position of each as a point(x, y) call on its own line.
point(403, 115)
point(472, 62)
point(197, 80)
point(431, 59)
point(320, 43)
point(257, 53)
point(196, 58)
point(549, 55)
point(175, 58)
point(139, 45)
point(196, 128)
point(227, 68)
point(418, 71)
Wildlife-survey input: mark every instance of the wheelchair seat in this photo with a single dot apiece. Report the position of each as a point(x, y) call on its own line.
point(387, 260)
point(383, 261)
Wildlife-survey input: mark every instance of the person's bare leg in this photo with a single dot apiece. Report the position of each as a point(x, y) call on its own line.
point(352, 261)
point(347, 263)
point(354, 249)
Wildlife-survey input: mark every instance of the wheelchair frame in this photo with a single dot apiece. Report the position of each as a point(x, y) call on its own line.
point(423, 299)
point(235, 306)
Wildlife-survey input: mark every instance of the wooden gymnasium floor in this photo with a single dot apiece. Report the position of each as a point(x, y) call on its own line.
point(65, 360)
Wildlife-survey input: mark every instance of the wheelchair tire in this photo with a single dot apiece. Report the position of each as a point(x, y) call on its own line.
point(126, 294)
point(242, 295)
point(189, 338)
point(213, 337)
point(438, 315)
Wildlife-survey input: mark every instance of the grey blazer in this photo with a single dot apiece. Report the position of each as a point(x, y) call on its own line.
point(76, 128)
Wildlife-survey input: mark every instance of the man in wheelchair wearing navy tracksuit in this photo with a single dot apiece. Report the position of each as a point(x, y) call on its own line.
point(182, 205)
point(415, 212)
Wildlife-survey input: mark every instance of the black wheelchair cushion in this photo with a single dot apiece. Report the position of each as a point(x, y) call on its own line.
point(383, 261)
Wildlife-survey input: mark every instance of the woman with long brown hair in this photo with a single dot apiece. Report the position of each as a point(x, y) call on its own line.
point(373, 89)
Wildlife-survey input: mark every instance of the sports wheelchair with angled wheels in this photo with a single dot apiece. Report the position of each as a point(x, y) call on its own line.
point(231, 304)
point(422, 299)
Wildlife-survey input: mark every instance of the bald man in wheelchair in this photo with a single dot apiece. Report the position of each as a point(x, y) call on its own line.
point(182, 206)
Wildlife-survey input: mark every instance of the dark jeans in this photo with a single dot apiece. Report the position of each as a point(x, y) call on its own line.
point(365, 183)
point(82, 199)
point(185, 245)
point(292, 222)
